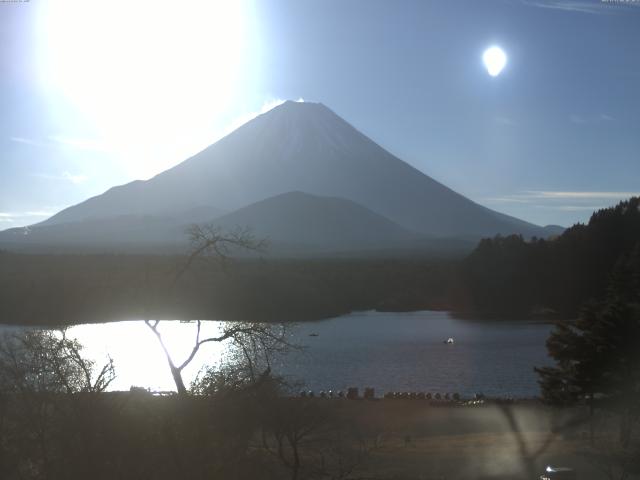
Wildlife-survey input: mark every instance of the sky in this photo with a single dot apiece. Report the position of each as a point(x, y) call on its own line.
point(97, 94)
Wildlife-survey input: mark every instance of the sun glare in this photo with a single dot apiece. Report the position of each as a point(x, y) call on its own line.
point(494, 60)
point(137, 355)
point(146, 73)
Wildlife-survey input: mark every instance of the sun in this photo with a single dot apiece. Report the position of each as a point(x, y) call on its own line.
point(494, 60)
point(145, 72)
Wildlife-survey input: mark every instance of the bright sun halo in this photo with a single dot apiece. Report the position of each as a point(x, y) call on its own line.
point(494, 60)
point(145, 72)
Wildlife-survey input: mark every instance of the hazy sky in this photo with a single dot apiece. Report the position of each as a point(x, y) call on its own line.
point(95, 94)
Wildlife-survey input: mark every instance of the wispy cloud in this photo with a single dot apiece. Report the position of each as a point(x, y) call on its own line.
point(597, 118)
point(27, 141)
point(528, 196)
point(568, 201)
point(27, 217)
point(594, 7)
point(507, 199)
point(53, 141)
point(6, 217)
point(91, 144)
point(551, 194)
point(76, 179)
point(578, 208)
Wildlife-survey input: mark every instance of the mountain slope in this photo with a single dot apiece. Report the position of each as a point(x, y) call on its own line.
point(322, 223)
point(302, 147)
point(130, 232)
point(122, 233)
point(293, 222)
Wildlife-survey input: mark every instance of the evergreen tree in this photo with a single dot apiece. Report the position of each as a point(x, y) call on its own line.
point(599, 354)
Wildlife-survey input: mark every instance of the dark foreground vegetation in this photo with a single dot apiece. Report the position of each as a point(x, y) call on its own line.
point(58, 422)
point(235, 422)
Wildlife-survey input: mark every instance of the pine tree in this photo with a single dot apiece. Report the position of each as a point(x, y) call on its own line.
point(599, 354)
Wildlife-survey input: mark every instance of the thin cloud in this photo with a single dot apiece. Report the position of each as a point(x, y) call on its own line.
point(595, 7)
point(27, 141)
point(567, 201)
point(506, 199)
point(549, 194)
point(582, 119)
point(529, 196)
point(40, 213)
point(79, 143)
point(76, 179)
point(32, 213)
point(578, 208)
point(29, 216)
point(89, 144)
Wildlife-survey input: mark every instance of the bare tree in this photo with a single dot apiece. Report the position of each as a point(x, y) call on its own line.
point(313, 438)
point(292, 423)
point(249, 336)
point(43, 361)
point(43, 380)
point(212, 242)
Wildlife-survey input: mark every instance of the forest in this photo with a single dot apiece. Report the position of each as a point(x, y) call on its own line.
point(507, 276)
point(70, 289)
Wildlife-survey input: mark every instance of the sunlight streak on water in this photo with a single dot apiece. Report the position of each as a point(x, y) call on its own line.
point(389, 351)
point(138, 357)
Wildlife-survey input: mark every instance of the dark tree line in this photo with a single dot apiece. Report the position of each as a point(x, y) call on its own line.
point(598, 364)
point(510, 275)
point(599, 353)
point(71, 289)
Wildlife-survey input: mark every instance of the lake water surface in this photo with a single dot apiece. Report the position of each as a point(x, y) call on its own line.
point(387, 351)
point(406, 352)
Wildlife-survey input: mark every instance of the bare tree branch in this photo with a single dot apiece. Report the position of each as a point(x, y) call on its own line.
point(209, 240)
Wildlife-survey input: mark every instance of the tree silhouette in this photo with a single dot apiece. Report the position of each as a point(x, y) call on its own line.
point(514, 276)
point(212, 242)
point(598, 354)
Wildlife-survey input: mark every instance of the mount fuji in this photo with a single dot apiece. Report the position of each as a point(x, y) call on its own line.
point(355, 192)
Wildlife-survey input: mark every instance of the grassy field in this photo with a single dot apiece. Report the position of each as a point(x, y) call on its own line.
point(491, 441)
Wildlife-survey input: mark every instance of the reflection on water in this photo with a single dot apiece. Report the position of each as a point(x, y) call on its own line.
point(139, 358)
point(387, 351)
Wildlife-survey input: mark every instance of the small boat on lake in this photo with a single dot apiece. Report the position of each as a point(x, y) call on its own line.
point(449, 341)
point(313, 334)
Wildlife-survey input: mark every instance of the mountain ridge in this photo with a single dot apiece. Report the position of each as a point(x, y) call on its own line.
point(303, 147)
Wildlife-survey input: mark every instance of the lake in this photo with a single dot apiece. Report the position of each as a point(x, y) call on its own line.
point(386, 351)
